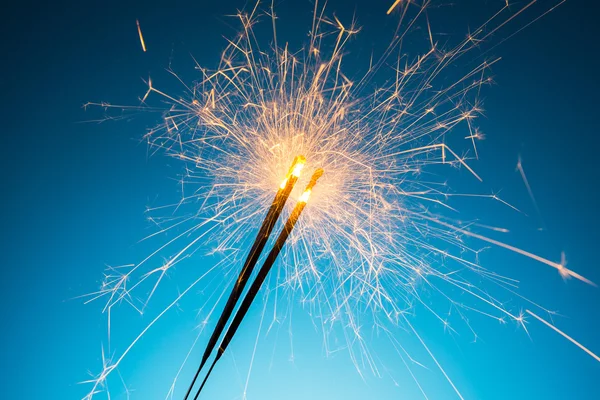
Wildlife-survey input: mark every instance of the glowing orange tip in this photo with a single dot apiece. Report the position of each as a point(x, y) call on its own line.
point(297, 166)
point(313, 181)
point(295, 169)
point(305, 196)
point(298, 169)
point(314, 178)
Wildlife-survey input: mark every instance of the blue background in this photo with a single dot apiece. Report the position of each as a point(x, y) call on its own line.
point(74, 196)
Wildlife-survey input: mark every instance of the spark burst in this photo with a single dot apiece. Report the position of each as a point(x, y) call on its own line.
point(375, 240)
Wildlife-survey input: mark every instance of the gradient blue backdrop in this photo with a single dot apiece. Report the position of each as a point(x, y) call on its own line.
point(74, 195)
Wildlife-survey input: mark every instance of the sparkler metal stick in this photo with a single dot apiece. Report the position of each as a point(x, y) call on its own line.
point(259, 243)
point(263, 272)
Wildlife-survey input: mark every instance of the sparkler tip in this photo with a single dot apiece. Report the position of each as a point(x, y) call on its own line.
point(295, 170)
point(315, 176)
point(313, 181)
point(305, 196)
point(298, 165)
point(298, 169)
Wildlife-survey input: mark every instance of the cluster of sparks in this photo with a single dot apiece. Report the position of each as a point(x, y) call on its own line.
point(373, 239)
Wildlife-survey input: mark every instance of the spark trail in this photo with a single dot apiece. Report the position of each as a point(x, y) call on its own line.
point(381, 237)
point(569, 338)
point(139, 29)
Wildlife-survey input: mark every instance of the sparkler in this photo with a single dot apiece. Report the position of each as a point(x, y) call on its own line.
point(259, 243)
point(263, 272)
point(376, 240)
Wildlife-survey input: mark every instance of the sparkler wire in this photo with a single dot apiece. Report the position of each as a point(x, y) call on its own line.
point(263, 272)
point(259, 243)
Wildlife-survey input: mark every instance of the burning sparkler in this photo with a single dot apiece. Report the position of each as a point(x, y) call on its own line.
point(261, 239)
point(262, 274)
point(374, 234)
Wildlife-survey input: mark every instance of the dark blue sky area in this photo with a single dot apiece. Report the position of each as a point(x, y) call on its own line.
point(74, 193)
